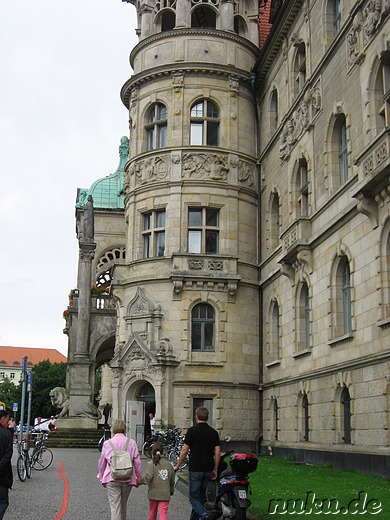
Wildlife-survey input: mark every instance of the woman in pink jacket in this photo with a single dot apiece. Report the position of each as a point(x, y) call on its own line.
point(118, 490)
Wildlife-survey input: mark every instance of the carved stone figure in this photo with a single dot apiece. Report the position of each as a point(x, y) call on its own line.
point(60, 399)
point(88, 222)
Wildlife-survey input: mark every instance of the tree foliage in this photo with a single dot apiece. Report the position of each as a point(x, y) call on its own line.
point(45, 377)
point(10, 393)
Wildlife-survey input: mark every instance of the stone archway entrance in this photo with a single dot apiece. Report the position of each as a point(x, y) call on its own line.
point(140, 401)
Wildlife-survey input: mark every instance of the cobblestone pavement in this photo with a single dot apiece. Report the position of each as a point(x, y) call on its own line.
point(41, 497)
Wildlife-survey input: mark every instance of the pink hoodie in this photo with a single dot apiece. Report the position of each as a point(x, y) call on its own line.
point(119, 441)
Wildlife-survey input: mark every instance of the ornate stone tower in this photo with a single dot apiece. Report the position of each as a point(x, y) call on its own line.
point(187, 295)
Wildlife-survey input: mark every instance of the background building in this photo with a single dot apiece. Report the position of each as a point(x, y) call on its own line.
point(11, 360)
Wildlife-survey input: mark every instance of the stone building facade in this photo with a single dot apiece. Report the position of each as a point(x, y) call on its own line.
point(247, 247)
point(185, 328)
point(323, 84)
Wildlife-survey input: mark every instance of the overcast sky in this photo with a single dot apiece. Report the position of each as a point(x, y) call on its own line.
point(62, 65)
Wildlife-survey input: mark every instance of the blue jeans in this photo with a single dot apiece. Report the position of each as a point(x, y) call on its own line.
point(197, 484)
point(3, 500)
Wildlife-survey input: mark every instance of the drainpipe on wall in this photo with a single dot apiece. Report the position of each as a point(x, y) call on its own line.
point(259, 436)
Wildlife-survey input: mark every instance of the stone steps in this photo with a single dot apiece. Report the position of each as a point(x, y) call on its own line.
point(74, 439)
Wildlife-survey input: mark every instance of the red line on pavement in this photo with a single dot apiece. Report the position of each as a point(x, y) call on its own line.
point(65, 498)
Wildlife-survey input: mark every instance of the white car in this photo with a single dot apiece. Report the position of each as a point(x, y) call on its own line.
point(42, 426)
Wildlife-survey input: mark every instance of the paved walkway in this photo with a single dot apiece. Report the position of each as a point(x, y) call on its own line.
point(70, 490)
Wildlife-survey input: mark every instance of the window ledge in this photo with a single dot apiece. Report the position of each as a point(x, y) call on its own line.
point(302, 353)
point(204, 363)
point(273, 363)
point(341, 339)
point(384, 324)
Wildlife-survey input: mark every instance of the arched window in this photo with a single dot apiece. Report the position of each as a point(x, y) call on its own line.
point(156, 127)
point(204, 123)
point(305, 417)
point(276, 419)
point(343, 152)
point(346, 290)
point(341, 299)
point(337, 151)
point(346, 415)
point(302, 189)
point(274, 222)
point(274, 111)
point(203, 328)
point(303, 318)
point(168, 20)
point(299, 68)
point(382, 92)
point(240, 26)
point(336, 16)
point(204, 17)
point(275, 333)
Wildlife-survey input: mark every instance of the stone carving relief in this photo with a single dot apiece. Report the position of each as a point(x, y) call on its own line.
point(205, 166)
point(296, 126)
point(246, 173)
point(133, 104)
point(316, 98)
point(352, 48)
point(371, 17)
point(152, 169)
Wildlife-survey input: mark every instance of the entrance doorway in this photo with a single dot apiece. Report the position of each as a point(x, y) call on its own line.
point(140, 402)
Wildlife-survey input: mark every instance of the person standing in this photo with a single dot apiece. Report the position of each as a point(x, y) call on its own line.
point(6, 447)
point(11, 427)
point(160, 479)
point(151, 421)
point(106, 413)
point(118, 490)
point(204, 448)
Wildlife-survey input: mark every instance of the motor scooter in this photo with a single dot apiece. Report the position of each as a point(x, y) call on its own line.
point(227, 496)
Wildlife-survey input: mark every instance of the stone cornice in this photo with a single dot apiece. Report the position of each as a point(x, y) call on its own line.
point(172, 68)
point(203, 33)
point(326, 371)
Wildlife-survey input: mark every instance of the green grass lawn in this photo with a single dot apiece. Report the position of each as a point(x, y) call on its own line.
point(328, 492)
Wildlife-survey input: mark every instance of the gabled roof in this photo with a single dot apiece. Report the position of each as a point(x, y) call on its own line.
point(12, 356)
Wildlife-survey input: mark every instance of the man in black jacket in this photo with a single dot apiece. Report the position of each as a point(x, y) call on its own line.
point(6, 477)
point(203, 445)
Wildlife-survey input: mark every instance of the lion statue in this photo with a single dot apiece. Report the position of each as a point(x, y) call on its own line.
point(60, 399)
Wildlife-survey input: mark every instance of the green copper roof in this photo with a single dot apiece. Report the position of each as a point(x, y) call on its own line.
point(108, 193)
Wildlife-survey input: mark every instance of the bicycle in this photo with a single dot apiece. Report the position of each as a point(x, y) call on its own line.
point(106, 434)
point(41, 458)
point(23, 464)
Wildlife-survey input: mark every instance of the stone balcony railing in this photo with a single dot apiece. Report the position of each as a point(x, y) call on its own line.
point(203, 271)
point(374, 176)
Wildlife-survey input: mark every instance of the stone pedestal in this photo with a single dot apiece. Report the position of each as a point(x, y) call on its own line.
point(76, 423)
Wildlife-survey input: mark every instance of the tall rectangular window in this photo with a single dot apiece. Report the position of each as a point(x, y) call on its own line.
point(203, 230)
point(343, 153)
point(197, 402)
point(154, 234)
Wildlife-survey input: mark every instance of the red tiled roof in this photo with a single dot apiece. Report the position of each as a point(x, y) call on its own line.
point(13, 356)
point(264, 25)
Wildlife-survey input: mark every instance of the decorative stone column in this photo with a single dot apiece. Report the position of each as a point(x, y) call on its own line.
point(183, 16)
point(227, 15)
point(82, 412)
point(146, 12)
point(87, 253)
